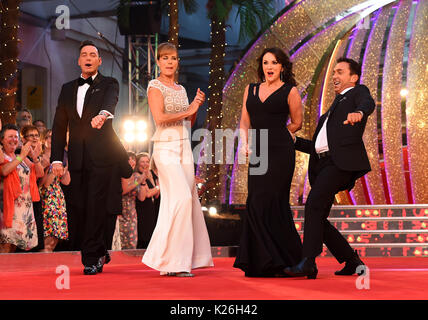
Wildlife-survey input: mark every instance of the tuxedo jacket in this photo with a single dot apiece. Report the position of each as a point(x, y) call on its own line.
point(101, 146)
point(345, 141)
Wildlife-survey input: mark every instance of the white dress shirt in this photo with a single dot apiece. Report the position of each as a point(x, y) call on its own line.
point(321, 143)
point(81, 93)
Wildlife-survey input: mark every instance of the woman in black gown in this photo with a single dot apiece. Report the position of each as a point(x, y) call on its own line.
point(269, 240)
point(148, 209)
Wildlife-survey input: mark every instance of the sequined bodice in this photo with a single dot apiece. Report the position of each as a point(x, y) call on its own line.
point(175, 101)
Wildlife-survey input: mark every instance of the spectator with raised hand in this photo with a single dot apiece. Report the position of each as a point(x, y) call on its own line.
point(18, 191)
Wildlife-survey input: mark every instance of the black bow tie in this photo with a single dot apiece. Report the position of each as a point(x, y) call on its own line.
point(83, 81)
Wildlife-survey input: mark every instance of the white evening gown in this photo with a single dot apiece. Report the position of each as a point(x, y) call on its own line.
point(180, 241)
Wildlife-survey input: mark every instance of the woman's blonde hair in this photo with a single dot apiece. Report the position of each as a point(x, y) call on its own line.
point(166, 47)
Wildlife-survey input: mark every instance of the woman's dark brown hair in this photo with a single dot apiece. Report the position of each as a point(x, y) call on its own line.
point(287, 74)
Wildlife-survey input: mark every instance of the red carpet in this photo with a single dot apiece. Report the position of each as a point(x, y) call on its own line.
point(34, 277)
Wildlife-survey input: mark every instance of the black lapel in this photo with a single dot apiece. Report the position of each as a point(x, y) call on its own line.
point(335, 103)
point(74, 105)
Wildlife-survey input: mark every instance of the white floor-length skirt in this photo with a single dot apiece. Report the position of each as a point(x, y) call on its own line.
point(180, 241)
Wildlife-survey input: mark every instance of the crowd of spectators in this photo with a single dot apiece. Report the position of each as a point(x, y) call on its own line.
point(35, 204)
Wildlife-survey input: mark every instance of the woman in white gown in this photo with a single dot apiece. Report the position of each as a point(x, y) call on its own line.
point(180, 240)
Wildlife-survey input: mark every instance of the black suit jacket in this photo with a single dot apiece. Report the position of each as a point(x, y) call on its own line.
point(344, 140)
point(102, 146)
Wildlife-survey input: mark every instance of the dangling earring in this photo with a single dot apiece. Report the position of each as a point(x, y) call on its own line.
point(281, 77)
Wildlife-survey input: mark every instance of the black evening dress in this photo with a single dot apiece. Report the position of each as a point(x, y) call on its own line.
point(269, 241)
point(147, 216)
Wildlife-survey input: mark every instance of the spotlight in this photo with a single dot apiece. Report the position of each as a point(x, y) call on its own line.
point(404, 92)
point(129, 125)
point(212, 211)
point(141, 125)
point(129, 137)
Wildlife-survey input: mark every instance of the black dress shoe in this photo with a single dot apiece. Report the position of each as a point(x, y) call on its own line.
point(90, 270)
point(351, 266)
point(100, 264)
point(108, 258)
point(306, 268)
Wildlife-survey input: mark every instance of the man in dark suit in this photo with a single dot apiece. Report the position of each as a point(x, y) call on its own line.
point(86, 107)
point(337, 159)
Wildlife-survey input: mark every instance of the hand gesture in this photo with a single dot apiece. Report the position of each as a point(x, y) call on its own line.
point(98, 121)
point(58, 169)
point(353, 118)
point(25, 150)
point(139, 178)
point(199, 99)
point(36, 151)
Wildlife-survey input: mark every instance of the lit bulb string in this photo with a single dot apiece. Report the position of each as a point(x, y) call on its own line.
point(7, 9)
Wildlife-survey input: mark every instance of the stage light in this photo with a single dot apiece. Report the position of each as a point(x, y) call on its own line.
point(200, 185)
point(129, 137)
point(404, 92)
point(129, 125)
point(134, 132)
point(204, 209)
point(212, 211)
point(141, 125)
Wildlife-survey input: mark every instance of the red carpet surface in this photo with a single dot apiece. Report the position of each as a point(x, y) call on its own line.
point(44, 277)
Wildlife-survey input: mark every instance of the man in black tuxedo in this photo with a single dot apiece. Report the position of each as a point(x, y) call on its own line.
point(86, 107)
point(337, 159)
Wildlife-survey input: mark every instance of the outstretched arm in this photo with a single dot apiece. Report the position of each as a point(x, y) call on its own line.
point(365, 106)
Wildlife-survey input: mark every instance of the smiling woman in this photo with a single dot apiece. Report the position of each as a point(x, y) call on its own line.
point(269, 239)
point(18, 190)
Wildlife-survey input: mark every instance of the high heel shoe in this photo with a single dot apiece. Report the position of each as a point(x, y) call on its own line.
point(306, 268)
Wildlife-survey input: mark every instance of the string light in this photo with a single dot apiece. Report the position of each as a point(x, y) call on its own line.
point(8, 66)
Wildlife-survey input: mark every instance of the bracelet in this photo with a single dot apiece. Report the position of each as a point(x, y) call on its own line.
point(19, 158)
